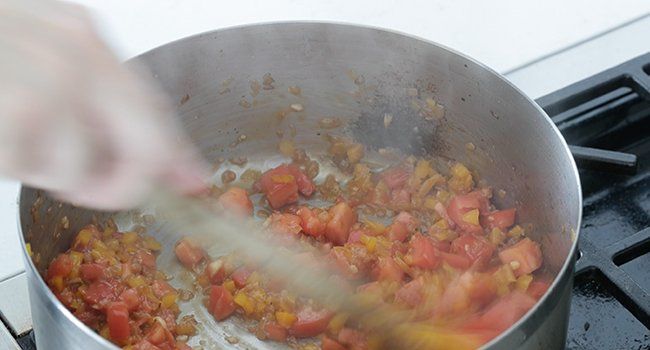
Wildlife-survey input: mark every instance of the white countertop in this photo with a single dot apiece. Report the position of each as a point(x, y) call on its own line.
point(539, 45)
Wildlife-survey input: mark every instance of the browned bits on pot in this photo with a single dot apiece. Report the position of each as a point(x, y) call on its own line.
point(434, 110)
point(239, 161)
point(294, 90)
point(330, 189)
point(292, 130)
point(360, 80)
point(312, 168)
point(263, 214)
point(297, 107)
point(329, 123)
point(185, 295)
point(244, 103)
point(255, 87)
point(470, 146)
point(184, 99)
point(413, 92)
point(286, 147)
point(65, 223)
point(267, 82)
point(228, 176)
point(250, 175)
point(388, 118)
point(232, 339)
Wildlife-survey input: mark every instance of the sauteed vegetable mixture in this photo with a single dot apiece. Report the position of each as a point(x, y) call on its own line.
point(421, 234)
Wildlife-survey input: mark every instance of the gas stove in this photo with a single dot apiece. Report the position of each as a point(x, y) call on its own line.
point(606, 119)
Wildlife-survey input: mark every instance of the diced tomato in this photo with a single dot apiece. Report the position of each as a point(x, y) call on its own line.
point(161, 288)
point(352, 260)
point(342, 217)
point(240, 276)
point(461, 204)
point(456, 260)
point(305, 185)
point(422, 253)
point(188, 254)
point(91, 272)
point(281, 185)
point(235, 200)
point(400, 199)
point(387, 269)
point(117, 317)
point(408, 220)
point(395, 177)
point(411, 293)
point(330, 344)
point(501, 219)
point(284, 223)
point(526, 253)
point(353, 339)
point(61, 266)
point(145, 345)
point(275, 332)
point(397, 231)
point(476, 248)
point(442, 211)
point(100, 294)
point(467, 290)
point(147, 259)
point(312, 222)
point(537, 288)
point(216, 271)
point(355, 236)
point(182, 346)
point(505, 312)
point(221, 303)
point(310, 323)
point(131, 298)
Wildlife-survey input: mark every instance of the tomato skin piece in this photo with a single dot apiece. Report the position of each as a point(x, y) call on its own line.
point(275, 332)
point(422, 253)
point(235, 201)
point(331, 344)
point(311, 222)
point(147, 259)
point(161, 288)
point(475, 248)
point(526, 253)
point(188, 254)
point(159, 335)
point(501, 219)
point(342, 217)
point(397, 232)
point(305, 185)
point(285, 223)
point(409, 221)
point(145, 345)
point(61, 266)
point(310, 323)
point(99, 294)
point(395, 177)
point(411, 293)
point(117, 317)
point(91, 272)
point(131, 298)
point(240, 276)
point(221, 303)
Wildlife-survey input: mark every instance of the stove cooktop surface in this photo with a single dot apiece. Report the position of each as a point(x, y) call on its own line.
point(611, 296)
point(606, 119)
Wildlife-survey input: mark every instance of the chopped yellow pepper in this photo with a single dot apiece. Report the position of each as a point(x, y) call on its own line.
point(471, 217)
point(285, 319)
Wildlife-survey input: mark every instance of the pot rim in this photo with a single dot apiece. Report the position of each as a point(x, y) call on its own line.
point(573, 231)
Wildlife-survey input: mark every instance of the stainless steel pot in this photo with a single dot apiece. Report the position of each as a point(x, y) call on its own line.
point(359, 75)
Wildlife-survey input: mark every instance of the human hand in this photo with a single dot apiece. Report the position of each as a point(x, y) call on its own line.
point(76, 122)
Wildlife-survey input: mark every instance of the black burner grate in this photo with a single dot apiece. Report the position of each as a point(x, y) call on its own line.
point(611, 112)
